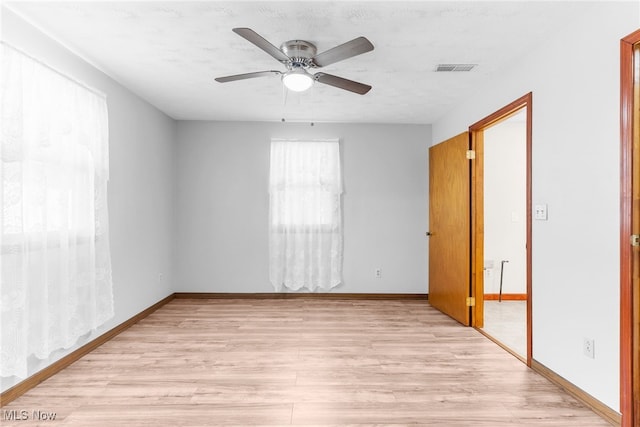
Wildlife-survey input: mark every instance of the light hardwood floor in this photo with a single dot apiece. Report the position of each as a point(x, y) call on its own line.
point(300, 361)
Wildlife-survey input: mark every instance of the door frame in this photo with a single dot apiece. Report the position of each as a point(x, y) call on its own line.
point(476, 131)
point(628, 346)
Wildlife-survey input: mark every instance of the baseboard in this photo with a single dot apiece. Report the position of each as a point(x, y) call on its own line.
point(301, 295)
point(594, 404)
point(505, 297)
point(27, 384)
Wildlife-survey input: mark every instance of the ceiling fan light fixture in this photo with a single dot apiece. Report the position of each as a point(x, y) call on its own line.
point(297, 80)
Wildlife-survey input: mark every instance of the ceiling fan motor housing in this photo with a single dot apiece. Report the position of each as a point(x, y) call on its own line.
point(300, 52)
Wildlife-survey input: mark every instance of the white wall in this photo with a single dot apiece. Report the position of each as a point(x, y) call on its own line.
point(575, 84)
point(505, 204)
point(222, 220)
point(140, 186)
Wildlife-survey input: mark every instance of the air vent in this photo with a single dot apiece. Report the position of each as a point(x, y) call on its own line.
point(455, 67)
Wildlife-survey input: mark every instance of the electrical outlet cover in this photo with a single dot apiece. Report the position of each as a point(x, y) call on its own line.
point(589, 348)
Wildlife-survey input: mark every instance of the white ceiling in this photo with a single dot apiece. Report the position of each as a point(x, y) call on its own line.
point(169, 52)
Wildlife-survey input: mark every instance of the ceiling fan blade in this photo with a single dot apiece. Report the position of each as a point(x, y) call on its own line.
point(346, 50)
point(262, 43)
point(342, 83)
point(247, 76)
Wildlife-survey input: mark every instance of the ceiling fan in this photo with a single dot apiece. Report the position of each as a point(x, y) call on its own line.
point(299, 56)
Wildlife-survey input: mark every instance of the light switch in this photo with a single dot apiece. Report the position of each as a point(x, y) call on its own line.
point(540, 212)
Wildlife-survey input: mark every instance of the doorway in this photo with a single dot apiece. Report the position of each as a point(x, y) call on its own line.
point(501, 227)
point(505, 233)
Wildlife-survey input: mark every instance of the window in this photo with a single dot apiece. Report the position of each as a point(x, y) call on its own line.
point(305, 189)
point(55, 262)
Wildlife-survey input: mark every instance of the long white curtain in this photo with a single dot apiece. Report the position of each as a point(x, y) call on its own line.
point(55, 264)
point(305, 234)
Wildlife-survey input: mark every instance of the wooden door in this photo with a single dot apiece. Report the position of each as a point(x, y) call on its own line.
point(635, 230)
point(630, 227)
point(450, 228)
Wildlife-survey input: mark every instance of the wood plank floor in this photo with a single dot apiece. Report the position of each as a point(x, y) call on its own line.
point(303, 362)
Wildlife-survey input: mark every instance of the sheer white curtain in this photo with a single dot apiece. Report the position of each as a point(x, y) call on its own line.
point(305, 235)
point(55, 264)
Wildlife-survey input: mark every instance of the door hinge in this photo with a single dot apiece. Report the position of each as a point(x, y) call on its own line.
point(471, 154)
point(471, 301)
point(635, 240)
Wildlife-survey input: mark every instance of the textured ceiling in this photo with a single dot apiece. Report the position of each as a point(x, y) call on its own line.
point(169, 52)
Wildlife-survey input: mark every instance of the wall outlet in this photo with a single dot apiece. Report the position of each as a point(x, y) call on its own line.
point(378, 273)
point(588, 348)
